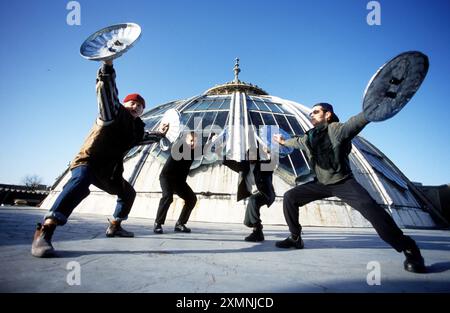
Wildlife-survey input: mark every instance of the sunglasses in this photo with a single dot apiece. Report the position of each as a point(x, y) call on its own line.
point(316, 112)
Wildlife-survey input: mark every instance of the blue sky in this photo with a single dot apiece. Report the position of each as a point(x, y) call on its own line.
point(305, 51)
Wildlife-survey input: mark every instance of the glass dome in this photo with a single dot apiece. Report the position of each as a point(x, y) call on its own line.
point(242, 108)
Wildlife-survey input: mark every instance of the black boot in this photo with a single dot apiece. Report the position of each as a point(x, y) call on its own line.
point(115, 230)
point(157, 228)
point(414, 261)
point(293, 241)
point(256, 235)
point(42, 242)
point(181, 228)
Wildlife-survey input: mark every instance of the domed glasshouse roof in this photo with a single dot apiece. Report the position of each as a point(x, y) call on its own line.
point(242, 108)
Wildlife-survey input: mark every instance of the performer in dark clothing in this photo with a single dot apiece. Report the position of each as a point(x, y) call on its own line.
point(173, 181)
point(327, 147)
point(251, 174)
point(100, 161)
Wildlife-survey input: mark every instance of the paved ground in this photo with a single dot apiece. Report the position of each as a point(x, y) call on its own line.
point(213, 258)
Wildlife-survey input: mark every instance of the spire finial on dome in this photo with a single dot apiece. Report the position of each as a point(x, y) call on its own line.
point(237, 70)
point(235, 85)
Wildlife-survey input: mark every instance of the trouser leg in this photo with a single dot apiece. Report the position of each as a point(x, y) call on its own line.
point(352, 193)
point(252, 212)
point(125, 200)
point(74, 191)
point(166, 200)
point(299, 196)
point(185, 192)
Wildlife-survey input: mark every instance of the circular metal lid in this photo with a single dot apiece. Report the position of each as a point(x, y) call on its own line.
point(110, 42)
point(393, 85)
point(171, 117)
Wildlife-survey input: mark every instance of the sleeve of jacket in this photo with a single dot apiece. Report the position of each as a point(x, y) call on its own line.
point(150, 137)
point(352, 127)
point(295, 142)
point(107, 93)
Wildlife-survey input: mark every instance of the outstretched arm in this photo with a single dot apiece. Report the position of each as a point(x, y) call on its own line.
point(294, 142)
point(154, 136)
point(353, 126)
point(107, 93)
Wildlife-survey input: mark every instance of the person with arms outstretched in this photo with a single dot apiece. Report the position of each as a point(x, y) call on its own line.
point(116, 130)
point(327, 147)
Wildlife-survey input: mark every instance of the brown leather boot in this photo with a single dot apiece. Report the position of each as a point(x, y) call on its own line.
point(42, 242)
point(116, 230)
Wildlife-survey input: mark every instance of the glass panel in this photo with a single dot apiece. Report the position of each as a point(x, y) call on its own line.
point(215, 103)
point(221, 119)
point(280, 108)
point(150, 123)
point(282, 122)
point(208, 119)
point(184, 117)
point(147, 119)
point(256, 118)
point(366, 148)
point(273, 107)
point(380, 167)
point(263, 106)
point(268, 119)
point(151, 112)
point(155, 112)
point(205, 104)
point(160, 109)
point(225, 104)
point(295, 125)
point(251, 104)
point(219, 103)
point(285, 165)
point(299, 162)
point(193, 105)
point(193, 119)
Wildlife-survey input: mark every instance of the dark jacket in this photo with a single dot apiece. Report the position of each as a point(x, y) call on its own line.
point(327, 148)
point(263, 179)
point(177, 170)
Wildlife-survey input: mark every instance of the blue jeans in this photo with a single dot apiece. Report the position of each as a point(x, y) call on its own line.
point(77, 188)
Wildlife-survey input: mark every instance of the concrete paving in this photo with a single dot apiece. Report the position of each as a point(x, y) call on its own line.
point(214, 258)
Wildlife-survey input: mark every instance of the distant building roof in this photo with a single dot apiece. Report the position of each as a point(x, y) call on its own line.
point(18, 194)
point(40, 189)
